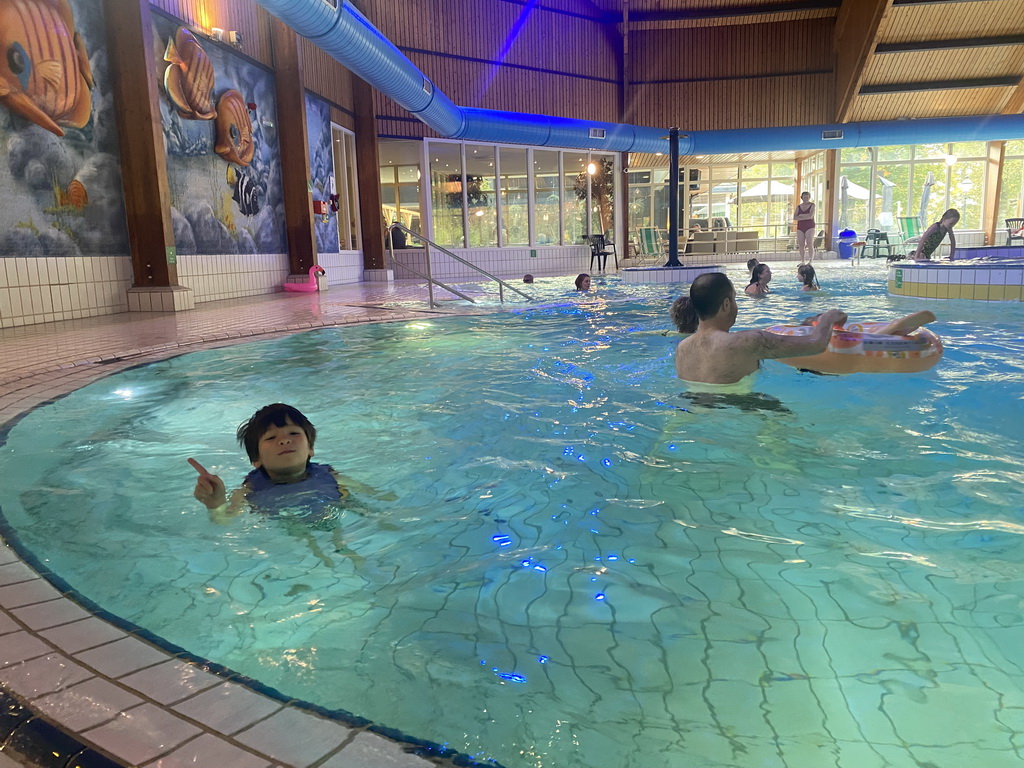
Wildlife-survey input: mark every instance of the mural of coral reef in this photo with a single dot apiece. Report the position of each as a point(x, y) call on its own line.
point(60, 170)
point(219, 114)
point(321, 169)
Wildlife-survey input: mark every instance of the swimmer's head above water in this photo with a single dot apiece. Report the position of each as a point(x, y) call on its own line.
point(707, 295)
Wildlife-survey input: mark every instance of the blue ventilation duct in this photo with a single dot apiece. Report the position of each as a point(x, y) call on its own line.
point(344, 33)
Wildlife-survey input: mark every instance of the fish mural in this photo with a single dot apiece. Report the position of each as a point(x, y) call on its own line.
point(234, 129)
point(188, 79)
point(73, 196)
point(45, 76)
point(247, 193)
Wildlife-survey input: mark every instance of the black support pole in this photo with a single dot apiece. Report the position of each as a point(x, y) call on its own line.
point(673, 199)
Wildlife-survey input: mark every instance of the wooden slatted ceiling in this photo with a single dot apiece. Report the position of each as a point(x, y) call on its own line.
point(957, 63)
point(729, 21)
point(942, 21)
point(694, 5)
point(243, 16)
point(739, 51)
point(952, 103)
point(479, 29)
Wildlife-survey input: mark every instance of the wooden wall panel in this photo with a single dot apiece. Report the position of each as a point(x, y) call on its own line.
point(324, 76)
point(245, 17)
point(480, 29)
point(559, 63)
point(744, 103)
point(472, 84)
point(950, 103)
point(731, 52)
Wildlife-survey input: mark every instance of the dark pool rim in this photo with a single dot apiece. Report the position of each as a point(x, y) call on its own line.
point(45, 729)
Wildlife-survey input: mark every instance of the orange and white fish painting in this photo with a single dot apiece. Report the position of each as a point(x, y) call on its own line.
point(188, 79)
point(44, 68)
point(234, 129)
point(74, 196)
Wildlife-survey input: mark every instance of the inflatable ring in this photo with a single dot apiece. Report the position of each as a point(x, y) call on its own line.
point(859, 348)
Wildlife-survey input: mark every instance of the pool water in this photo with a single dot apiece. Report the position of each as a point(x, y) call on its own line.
point(583, 567)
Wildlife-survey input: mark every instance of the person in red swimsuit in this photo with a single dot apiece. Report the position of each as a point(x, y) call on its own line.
point(804, 218)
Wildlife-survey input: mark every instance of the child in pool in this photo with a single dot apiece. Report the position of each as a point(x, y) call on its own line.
point(807, 276)
point(279, 442)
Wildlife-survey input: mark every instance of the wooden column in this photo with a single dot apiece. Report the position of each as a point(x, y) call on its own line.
point(295, 172)
point(993, 188)
point(367, 168)
point(140, 135)
point(856, 34)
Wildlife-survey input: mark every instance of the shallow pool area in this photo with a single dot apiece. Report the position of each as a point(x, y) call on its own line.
point(583, 566)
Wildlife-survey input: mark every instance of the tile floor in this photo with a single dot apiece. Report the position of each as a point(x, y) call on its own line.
point(122, 696)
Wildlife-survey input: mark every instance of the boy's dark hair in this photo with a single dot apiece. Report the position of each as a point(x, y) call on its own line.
point(277, 415)
point(751, 263)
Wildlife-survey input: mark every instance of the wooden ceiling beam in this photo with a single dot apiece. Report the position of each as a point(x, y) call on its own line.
point(856, 36)
point(941, 85)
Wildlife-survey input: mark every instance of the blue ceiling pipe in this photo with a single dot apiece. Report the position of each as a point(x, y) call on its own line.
point(344, 33)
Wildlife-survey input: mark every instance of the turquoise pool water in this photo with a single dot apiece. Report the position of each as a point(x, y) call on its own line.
point(582, 567)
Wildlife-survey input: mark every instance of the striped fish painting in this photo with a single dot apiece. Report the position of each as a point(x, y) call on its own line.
point(45, 75)
point(188, 79)
point(234, 129)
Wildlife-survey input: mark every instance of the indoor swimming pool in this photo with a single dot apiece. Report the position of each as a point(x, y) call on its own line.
point(581, 566)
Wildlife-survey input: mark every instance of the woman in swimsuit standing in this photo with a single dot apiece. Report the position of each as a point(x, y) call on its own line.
point(804, 218)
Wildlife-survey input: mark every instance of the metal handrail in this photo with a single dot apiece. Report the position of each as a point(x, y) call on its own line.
point(432, 281)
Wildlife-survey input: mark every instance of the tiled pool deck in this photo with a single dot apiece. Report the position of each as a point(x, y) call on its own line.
point(123, 699)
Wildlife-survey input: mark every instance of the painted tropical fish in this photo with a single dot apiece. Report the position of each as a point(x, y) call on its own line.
point(234, 129)
point(74, 196)
point(44, 68)
point(188, 79)
point(247, 193)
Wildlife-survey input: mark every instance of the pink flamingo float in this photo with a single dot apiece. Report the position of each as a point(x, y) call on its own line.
point(310, 285)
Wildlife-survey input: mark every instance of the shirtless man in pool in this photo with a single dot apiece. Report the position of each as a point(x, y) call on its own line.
point(714, 355)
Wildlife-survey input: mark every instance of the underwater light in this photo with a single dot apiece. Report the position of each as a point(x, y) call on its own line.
point(124, 394)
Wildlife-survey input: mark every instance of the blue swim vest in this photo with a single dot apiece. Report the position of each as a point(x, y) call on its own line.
point(310, 500)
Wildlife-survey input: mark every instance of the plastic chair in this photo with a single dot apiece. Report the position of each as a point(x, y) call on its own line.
point(875, 240)
point(910, 227)
point(1014, 231)
point(650, 245)
point(599, 250)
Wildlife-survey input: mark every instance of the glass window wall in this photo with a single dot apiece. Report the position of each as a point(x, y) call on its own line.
point(547, 198)
point(514, 196)
point(447, 193)
point(575, 191)
point(481, 196)
point(916, 180)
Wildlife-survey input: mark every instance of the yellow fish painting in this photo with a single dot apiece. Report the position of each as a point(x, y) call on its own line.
point(234, 129)
point(188, 79)
point(44, 68)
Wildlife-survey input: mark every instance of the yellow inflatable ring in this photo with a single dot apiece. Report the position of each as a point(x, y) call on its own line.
point(859, 348)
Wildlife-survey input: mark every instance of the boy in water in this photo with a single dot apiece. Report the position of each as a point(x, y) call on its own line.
point(285, 483)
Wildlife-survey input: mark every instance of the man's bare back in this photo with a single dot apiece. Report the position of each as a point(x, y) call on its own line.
point(716, 356)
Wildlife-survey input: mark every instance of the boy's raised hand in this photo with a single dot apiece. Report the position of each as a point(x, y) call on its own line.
point(209, 488)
